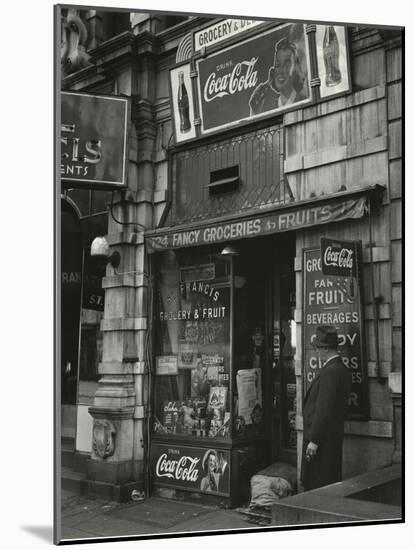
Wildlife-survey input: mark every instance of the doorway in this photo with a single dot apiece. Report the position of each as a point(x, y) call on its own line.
point(265, 334)
point(71, 277)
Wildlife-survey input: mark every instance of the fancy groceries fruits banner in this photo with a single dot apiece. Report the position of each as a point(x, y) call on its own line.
point(265, 74)
point(197, 469)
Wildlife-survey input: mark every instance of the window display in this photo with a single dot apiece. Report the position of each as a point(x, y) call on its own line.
point(192, 348)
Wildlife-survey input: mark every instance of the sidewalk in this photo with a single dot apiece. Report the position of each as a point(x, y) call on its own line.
point(85, 518)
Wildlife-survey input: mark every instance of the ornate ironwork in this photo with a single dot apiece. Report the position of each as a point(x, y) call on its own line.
point(259, 155)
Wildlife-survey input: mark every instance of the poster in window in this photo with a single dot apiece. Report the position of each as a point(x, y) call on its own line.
point(249, 386)
point(217, 401)
point(166, 365)
point(332, 60)
point(187, 355)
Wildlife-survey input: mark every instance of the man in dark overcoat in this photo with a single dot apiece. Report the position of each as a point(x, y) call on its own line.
point(324, 413)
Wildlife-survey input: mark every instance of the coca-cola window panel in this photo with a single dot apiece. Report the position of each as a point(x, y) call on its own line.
point(193, 332)
point(332, 60)
point(265, 74)
point(198, 469)
point(182, 103)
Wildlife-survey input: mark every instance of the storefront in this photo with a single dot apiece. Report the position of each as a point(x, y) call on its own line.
point(227, 343)
point(241, 280)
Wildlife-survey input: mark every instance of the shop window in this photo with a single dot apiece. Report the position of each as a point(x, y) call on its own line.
point(92, 313)
point(192, 363)
point(91, 345)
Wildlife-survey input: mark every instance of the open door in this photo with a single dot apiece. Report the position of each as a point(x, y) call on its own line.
point(264, 336)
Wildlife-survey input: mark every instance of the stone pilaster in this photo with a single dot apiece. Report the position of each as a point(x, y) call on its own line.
point(119, 410)
point(118, 402)
point(110, 470)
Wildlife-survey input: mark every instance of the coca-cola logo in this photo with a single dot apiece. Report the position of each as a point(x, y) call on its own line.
point(338, 257)
point(183, 469)
point(242, 77)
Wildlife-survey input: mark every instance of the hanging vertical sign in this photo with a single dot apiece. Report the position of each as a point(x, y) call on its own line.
point(334, 300)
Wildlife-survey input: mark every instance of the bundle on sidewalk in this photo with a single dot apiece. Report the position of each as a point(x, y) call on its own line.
point(277, 481)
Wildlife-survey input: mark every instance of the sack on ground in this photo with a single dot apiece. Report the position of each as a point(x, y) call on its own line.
point(266, 490)
point(281, 469)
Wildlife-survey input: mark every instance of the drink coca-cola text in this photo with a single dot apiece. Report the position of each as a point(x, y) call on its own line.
point(183, 469)
point(243, 77)
point(339, 258)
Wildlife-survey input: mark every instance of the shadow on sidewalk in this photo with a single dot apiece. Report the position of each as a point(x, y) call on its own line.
point(42, 532)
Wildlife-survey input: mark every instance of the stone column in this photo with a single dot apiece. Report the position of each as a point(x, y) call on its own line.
point(395, 385)
point(117, 463)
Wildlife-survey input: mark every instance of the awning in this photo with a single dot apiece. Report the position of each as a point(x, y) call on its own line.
point(264, 221)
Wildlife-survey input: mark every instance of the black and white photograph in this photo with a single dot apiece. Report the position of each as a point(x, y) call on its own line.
point(229, 284)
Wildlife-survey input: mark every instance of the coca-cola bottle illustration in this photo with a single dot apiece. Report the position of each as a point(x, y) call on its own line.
point(331, 56)
point(183, 105)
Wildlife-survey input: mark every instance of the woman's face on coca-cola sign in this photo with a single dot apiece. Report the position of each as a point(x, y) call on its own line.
point(283, 71)
point(212, 462)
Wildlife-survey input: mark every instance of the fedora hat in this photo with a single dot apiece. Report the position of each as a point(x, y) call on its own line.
point(326, 337)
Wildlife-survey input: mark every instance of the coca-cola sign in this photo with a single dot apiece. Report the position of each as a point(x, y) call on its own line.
point(330, 299)
point(242, 77)
point(338, 257)
point(190, 467)
point(332, 59)
point(182, 103)
point(262, 75)
point(182, 469)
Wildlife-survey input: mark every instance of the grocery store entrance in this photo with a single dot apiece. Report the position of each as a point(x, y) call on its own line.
point(224, 386)
point(265, 335)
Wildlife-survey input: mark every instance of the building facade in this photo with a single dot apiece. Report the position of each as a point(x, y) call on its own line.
point(184, 367)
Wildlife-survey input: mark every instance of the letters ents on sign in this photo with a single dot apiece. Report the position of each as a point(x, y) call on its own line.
point(93, 141)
